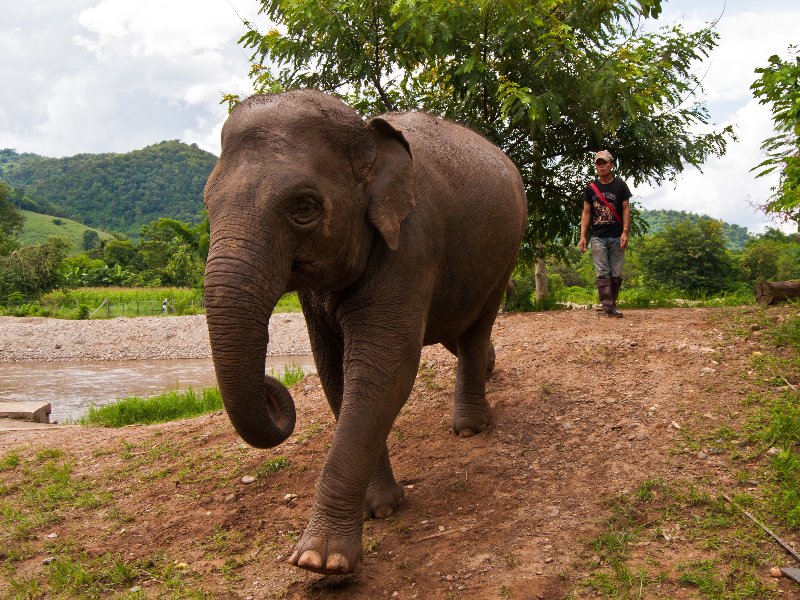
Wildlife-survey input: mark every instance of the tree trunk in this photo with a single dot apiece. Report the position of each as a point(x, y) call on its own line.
point(540, 276)
point(769, 292)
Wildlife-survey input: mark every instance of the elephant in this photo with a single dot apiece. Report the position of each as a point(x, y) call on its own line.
point(396, 232)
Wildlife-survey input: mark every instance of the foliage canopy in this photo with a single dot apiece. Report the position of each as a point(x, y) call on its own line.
point(114, 192)
point(549, 81)
point(779, 86)
point(687, 256)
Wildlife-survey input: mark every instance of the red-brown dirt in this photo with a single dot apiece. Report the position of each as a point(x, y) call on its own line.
point(585, 408)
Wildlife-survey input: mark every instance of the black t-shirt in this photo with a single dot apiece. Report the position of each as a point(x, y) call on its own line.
point(603, 223)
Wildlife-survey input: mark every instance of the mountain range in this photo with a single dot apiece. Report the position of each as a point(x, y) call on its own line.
point(113, 192)
point(122, 192)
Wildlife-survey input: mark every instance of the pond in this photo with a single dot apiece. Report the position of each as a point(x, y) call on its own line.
point(71, 387)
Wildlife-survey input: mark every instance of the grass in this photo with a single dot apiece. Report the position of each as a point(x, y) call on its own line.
point(725, 553)
point(657, 517)
point(37, 228)
point(170, 406)
point(654, 298)
point(110, 302)
point(37, 493)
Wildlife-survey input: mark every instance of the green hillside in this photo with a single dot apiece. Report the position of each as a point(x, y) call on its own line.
point(38, 228)
point(735, 235)
point(115, 192)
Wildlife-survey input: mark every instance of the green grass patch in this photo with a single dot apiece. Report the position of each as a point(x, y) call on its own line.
point(650, 521)
point(38, 228)
point(111, 302)
point(641, 297)
point(272, 466)
point(38, 492)
point(78, 575)
point(288, 303)
point(169, 406)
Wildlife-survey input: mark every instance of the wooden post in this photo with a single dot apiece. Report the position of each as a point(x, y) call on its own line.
point(769, 292)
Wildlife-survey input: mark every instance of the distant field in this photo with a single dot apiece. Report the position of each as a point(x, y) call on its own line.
point(38, 228)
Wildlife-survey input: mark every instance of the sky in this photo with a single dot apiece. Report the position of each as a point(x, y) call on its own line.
point(117, 75)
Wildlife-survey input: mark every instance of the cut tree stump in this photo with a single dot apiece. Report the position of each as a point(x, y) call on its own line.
point(769, 292)
point(38, 412)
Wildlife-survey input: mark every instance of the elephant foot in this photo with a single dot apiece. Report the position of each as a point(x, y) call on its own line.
point(328, 555)
point(382, 499)
point(467, 424)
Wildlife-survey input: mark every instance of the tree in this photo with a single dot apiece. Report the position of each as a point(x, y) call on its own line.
point(11, 221)
point(548, 81)
point(33, 270)
point(779, 86)
point(90, 239)
point(174, 252)
point(687, 256)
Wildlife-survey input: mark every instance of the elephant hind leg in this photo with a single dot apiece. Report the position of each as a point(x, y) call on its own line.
point(476, 359)
point(384, 494)
point(490, 355)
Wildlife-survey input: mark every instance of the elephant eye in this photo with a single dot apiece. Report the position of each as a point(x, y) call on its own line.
point(305, 211)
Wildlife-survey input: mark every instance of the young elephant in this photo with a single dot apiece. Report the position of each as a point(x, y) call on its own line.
point(397, 232)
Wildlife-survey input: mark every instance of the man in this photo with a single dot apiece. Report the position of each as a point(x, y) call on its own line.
point(606, 208)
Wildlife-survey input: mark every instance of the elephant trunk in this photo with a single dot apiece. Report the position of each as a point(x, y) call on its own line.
point(239, 301)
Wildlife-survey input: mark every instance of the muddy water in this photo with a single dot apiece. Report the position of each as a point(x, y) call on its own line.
point(71, 387)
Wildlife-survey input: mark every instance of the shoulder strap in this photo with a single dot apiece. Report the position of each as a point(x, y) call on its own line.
point(599, 194)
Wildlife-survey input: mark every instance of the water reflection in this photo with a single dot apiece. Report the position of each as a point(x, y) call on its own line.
point(70, 387)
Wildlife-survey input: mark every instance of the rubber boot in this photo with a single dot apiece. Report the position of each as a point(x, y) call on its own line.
point(606, 295)
point(616, 283)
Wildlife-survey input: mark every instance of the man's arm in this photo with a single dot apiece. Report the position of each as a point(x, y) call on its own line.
point(586, 216)
point(626, 223)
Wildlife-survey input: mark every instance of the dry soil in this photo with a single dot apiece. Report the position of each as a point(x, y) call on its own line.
point(585, 408)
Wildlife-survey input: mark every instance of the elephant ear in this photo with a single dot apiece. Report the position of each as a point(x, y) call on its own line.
point(390, 181)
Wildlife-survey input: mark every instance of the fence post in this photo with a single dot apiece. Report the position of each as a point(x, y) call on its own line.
point(108, 308)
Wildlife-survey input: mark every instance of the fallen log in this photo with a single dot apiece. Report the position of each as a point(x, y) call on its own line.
point(769, 292)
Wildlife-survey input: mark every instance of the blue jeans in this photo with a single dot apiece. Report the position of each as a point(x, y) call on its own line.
point(608, 256)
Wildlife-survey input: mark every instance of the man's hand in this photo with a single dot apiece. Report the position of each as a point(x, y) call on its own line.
point(623, 240)
point(582, 245)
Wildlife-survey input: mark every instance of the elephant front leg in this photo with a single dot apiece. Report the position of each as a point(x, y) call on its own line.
point(357, 475)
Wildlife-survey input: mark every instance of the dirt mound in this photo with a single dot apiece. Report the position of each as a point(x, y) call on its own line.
point(586, 409)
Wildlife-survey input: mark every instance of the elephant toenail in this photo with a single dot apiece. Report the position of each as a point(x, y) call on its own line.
point(310, 559)
point(337, 563)
point(465, 433)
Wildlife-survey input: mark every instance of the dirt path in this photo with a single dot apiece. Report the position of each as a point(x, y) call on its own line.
point(585, 409)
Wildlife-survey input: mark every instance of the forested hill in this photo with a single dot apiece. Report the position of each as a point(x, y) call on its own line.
point(658, 220)
point(114, 192)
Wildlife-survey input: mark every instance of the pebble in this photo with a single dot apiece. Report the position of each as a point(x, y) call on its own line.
point(702, 455)
point(230, 498)
point(248, 479)
point(775, 572)
point(52, 536)
point(48, 560)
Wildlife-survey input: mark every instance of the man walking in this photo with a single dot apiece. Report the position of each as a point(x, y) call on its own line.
point(606, 209)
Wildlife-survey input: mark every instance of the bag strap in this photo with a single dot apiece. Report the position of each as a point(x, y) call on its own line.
point(599, 194)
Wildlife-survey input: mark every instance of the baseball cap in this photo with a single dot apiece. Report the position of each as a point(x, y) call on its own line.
point(603, 155)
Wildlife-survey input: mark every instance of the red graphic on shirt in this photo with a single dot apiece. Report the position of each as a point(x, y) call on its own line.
point(601, 214)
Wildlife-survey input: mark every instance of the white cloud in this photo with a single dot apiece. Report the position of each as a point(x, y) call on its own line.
point(726, 188)
point(115, 75)
point(749, 33)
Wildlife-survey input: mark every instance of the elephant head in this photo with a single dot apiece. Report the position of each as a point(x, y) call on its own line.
point(301, 187)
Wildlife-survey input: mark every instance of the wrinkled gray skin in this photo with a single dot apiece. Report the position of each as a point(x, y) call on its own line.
point(397, 232)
